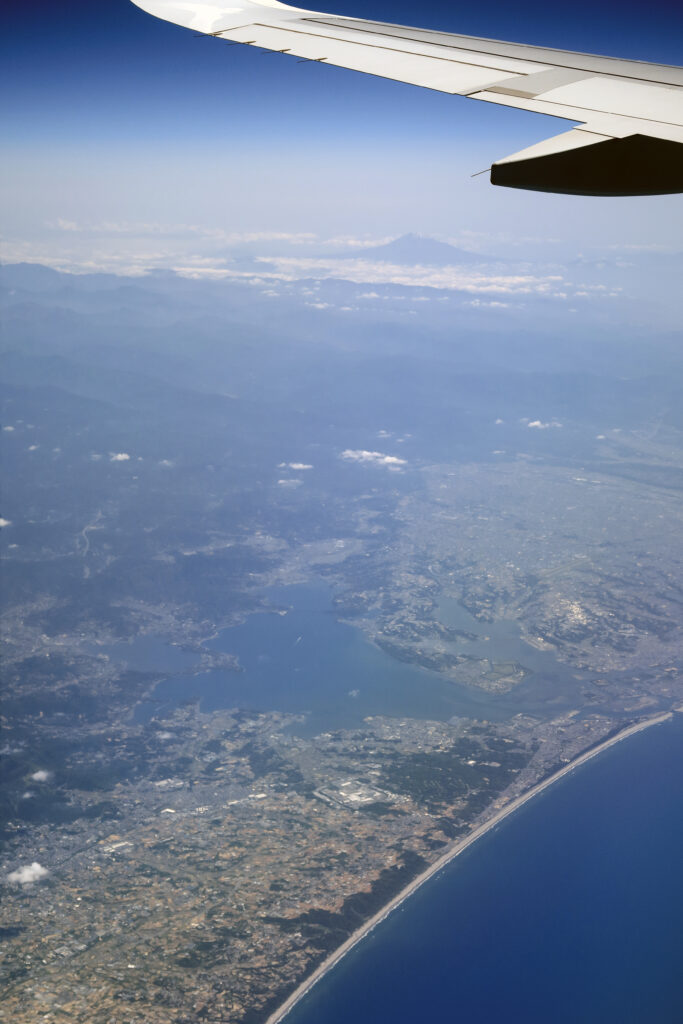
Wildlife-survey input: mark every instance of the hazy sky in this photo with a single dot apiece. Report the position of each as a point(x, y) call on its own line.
point(117, 125)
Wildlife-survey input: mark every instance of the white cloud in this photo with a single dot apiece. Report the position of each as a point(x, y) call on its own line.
point(480, 304)
point(41, 776)
point(134, 260)
point(95, 457)
point(5, 522)
point(540, 425)
point(146, 229)
point(351, 242)
point(9, 430)
point(174, 250)
point(638, 247)
point(299, 465)
point(451, 278)
point(64, 225)
point(166, 462)
point(119, 457)
point(289, 483)
point(372, 458)
point(27, 874)
point(33, 447)
point(499, 421)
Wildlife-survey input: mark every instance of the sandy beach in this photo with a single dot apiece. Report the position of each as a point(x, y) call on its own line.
point(450, 853)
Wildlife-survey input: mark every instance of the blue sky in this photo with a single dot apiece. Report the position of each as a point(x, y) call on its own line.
point(111, 116)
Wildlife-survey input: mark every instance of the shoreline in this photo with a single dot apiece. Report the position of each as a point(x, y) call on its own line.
point(450, 854)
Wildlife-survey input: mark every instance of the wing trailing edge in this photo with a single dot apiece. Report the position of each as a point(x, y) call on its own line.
point(629, 137)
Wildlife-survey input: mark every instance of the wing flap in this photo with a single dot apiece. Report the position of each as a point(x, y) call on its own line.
point(441, 74)
point(522, 58)
point(616, 126)
point(620, 96)
point(364, 32)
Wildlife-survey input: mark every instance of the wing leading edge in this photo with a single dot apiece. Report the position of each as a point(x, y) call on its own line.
point(629, 136)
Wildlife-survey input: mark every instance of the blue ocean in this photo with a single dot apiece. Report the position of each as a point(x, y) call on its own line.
point(569, 912)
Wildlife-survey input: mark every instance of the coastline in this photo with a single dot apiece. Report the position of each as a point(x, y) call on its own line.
point(450, 854)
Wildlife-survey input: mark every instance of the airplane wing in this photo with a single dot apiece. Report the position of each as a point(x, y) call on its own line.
point(629, 135)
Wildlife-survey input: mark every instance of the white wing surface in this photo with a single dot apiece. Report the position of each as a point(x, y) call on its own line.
point(629, 136)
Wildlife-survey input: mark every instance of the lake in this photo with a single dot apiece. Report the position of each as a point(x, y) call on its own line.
point(297, 657)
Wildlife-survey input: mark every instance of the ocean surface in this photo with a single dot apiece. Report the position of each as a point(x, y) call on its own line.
point(569, 912)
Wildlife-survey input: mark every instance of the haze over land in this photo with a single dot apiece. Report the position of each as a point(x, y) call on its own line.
point(466, 511)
